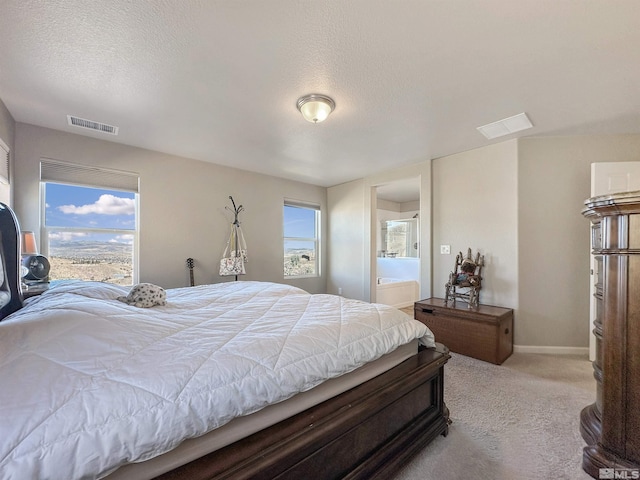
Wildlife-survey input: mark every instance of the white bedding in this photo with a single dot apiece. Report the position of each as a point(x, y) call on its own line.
point(88, 383)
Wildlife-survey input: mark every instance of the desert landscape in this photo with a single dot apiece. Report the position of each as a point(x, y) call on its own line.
point(299, 262)
point(95, 261)
point(112, 262)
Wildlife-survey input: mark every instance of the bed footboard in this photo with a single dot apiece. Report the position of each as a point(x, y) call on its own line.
point(367, 432)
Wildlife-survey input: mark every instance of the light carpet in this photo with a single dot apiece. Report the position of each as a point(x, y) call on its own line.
point(517, 420)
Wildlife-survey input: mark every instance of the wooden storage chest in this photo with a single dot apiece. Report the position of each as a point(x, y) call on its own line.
point(485, 332)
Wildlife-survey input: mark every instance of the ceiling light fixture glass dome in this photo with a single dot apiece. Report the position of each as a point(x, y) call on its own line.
point(315, 108)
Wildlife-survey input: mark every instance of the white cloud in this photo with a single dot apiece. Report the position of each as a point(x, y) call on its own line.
point(106, 205)
point(66, 236)
point(122, 239)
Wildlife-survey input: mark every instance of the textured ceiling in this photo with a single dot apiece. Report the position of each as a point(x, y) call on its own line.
point(218, 80)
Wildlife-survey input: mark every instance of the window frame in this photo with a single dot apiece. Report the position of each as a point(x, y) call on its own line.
point(5, 173)
point(315, 240)
point(62, 173)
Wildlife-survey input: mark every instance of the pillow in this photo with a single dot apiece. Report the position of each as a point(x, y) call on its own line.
point(145, 295)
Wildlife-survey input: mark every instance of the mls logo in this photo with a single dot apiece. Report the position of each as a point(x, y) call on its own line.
point(614, 473)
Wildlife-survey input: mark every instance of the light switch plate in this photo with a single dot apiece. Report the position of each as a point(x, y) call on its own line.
point(445, 249)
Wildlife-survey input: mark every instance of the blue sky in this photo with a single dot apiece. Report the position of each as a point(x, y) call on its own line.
point(299, 222)
point(83, 207)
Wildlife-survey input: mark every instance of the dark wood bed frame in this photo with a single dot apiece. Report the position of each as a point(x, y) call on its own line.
point(368, 432)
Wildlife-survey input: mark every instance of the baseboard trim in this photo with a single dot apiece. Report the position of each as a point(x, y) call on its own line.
point(551, 350)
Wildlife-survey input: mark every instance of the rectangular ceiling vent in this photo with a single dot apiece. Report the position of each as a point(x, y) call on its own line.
point(91, 125)
point(506, 126)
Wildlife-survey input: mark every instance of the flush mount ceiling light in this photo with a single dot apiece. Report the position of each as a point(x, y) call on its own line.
point(506, 126)
point(315, 107)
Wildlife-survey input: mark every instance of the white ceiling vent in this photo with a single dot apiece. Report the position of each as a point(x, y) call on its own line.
point(91, 125)
point(506, 126)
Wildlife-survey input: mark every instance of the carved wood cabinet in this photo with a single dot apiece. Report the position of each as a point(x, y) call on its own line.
point(611, 425)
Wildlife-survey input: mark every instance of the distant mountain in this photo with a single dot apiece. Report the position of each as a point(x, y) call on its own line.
point(84, 249)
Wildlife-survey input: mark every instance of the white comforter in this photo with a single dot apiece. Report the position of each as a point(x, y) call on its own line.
point(88, 383)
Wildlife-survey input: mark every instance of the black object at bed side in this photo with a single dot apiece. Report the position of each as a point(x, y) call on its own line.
point(10, 289)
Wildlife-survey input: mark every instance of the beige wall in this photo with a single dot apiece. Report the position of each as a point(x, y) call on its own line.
point(554, 180)
point(475, 205)
point(182, 206)
point(346, 238)
point(519, 202)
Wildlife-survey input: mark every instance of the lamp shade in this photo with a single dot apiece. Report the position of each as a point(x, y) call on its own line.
point(28, 243)
point(315, 108)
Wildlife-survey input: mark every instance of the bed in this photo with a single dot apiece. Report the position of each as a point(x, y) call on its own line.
point(233, 380)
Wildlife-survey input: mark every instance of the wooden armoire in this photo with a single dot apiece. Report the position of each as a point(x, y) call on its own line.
point(611, 426)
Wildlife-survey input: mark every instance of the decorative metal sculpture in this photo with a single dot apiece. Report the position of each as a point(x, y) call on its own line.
point(465, 281)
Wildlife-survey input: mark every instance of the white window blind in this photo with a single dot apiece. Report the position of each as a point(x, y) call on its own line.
point(62, 172)
point(300, 204)
point(4, 163)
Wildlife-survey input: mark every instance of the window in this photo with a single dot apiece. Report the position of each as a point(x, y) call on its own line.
point(400, 238)
point(89, 232)
point(5, 192)
point(301, 240)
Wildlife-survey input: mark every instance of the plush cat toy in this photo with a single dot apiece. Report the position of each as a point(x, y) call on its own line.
point(145, 295)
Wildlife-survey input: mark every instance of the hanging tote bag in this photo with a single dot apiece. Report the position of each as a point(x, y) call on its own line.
point(235, 254)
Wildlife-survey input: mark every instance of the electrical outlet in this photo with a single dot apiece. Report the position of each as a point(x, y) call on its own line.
point(445, 249)
point(339, 290)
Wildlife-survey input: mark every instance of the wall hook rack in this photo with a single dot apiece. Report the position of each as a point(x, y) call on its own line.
point(236, 210)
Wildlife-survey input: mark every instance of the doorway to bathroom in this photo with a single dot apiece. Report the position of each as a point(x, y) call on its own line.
point(397, 245)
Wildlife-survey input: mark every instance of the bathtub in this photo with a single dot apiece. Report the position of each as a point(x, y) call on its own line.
point(397, 293)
